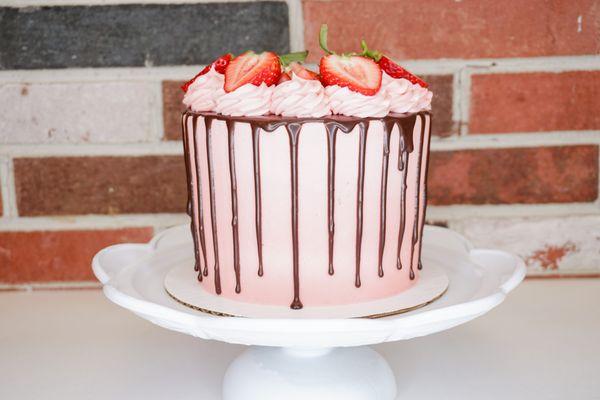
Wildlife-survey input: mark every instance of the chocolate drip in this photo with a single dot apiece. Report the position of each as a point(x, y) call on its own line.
point(196, 230)
point(415, 233)
point(404, 164)
point(362, 126)
point(387, 130)
point(199, 196)
point(424, 191)
point(293, 127)
point(331, 140)
point(293, 130)
point(234, 204)
point(420, 266)
point(213, 209)
point(257, 195)
point(190, 209)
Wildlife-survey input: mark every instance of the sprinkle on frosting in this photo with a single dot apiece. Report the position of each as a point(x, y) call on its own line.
point(300, 97)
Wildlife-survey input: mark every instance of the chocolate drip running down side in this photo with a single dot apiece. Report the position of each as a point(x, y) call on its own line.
point(293, 127)
point(257, 196)
point(197, 229)
point(331, 140)
point(415, 233)
point(234, 204)
point(208, 120)
point(362, 131)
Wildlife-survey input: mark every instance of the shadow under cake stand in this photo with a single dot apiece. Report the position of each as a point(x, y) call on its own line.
point(309, 356)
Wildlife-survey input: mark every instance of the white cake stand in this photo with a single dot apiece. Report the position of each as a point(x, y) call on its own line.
point(293, 358)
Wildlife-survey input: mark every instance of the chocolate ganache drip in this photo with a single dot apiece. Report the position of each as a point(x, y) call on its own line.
point(208, 120)
point(293, 127)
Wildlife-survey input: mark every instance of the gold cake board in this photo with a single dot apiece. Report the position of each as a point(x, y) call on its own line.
point(181, 284)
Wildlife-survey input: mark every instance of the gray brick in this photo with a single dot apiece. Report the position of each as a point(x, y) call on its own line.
point(138, 35)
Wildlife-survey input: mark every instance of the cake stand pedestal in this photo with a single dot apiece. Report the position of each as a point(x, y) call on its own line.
point(298, 358)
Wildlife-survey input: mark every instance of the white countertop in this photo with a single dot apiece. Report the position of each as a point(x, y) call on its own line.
point(542, 343)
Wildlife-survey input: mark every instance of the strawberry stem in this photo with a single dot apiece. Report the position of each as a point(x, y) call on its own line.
point(374, 54)
point(299, 56)
point(323, 39)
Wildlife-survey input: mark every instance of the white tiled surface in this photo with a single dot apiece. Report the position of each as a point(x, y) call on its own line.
point(542, 343)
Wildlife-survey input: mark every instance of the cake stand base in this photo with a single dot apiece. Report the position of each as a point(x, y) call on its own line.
point(291, 373)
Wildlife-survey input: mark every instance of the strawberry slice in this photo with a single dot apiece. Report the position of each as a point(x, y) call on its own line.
point(357, 73)
point(252, 68)
point(220, 64)
point(303, 72)
point(397, 72)
point(354, 71)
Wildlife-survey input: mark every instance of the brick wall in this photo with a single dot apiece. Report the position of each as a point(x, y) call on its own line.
point(90, 118)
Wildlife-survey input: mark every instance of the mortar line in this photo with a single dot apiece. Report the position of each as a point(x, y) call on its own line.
point(466, 211)
point(516, 140)
point(11, 189)
point(4, 191)
point(296, 25)
point(432, 67)
point(158, 121)
point(55, 3)
point(165, 148)
point(92, 222)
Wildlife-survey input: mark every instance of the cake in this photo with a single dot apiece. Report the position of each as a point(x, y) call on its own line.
point(306, 189)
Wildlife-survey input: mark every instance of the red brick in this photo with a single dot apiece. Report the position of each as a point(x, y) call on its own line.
point(46, 256)
point(456, 29)
point(172, 109)
point(99, 185)
point(441, 86)
point(517, 175)
point(535, 102)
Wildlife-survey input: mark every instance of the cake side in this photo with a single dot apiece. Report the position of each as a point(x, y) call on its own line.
point(356, 185)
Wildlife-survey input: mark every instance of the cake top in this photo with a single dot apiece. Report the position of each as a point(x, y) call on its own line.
point(360, 84)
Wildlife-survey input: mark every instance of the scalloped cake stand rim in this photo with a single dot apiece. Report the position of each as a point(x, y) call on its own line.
point(480, 279)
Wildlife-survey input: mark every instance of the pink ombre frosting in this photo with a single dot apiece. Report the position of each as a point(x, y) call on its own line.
point(300, 97)
point(247, 100)
point(203, 93)
point(404, 96)
point(347, 102)
point(317, 287)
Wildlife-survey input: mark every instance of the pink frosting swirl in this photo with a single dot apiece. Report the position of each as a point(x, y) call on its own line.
point(246, 100)
point(204, 91)
point(300, 97)
point(404, 96)
point(347, 102)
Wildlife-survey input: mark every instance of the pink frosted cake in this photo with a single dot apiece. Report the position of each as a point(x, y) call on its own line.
point(306, 189)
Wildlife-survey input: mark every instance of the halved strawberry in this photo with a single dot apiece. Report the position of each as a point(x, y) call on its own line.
point(303, 72)
point(219, 64)
point(252, 68)
point(397, 72)
point(357, 73)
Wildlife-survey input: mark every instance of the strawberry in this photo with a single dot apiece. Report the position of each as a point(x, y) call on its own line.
point(356, 72)
point(303, 72)
point(397, 72)
point(219, 64)
point(390, 67)
point(284, 77)
point(252, 68)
